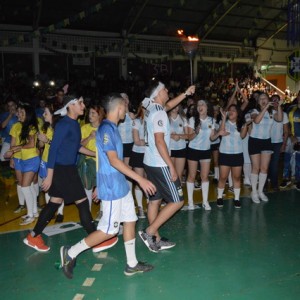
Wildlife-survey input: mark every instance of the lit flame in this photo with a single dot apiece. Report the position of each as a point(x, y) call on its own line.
point(192, 38)
point(180, 32)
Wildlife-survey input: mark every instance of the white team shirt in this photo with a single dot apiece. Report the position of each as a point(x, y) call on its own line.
point(202, 140)
point(177, 126)
point(277, 129)
point(232, 143)
point(156, 120)
point(125, 130)
point(262, 130)
point(138, 125)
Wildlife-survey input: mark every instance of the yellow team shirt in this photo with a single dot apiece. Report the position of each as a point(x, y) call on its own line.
point(15, 133)
point(86, 130)
point(30, 152)
point(49, 135)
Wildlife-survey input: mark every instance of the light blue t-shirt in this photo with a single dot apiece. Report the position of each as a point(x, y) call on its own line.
point(232, 143)
point(111, 183)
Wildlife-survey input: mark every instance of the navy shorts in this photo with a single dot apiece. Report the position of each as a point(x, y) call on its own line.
point(197, 155)
point(136, 160)
point(179, 153)
point(258, 146)
point(127, 149)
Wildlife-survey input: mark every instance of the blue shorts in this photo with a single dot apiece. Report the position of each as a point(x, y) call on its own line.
point(17, 162)
point(43, 169)
point(30, 165)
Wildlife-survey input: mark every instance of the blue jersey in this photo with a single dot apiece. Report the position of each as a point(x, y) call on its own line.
point(111, 183)
point(125, 130)
point(5, 131)
point(178, 126)
point(232, 143)
point(156, 121)
point(262, 130)
point(202, 140)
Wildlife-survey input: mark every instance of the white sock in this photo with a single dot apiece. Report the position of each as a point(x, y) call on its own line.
point(47, 197)
point(34, 204)
point(20, 195)
point(230, 179)
point(261, 182)
point(237, 194)
point(60, 210)
point(139, 197)
point(130, 253)
point(220, 193)
point(29, 198)
point(89, 196)
point(254, 178)
point(216, 173)
point(190, 192)
point(205, 188)
point(130, 185)
point(247, 172)
point(36, 188)
point(78, 248)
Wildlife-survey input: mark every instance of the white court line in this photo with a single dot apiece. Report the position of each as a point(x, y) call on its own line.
point(97, 267)
point(78, 297)
point(88, 282)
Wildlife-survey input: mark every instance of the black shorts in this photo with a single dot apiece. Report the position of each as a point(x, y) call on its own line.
point(198, 155)
point(127, 149)
point(179, 153)
point(67, 184)
point(231, 160)
point(258, 146)
point(136, 160)
point(166, 189)
point(214, 147)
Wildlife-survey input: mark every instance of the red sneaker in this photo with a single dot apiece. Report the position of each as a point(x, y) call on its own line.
point(36, 243)
point(106, 244)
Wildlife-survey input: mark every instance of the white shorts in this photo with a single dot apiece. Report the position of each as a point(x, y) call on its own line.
point(116, 212)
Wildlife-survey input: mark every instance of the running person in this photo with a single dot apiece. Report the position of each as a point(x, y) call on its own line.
point(113, 189)
point(159, 166)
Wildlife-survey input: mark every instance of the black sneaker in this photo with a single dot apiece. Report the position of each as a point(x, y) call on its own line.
point(59, 218)
point(67, 263)
point(164, 244)
point(298, 186)
point(237, 203)
point(197, 185)
point(149, 241)
point(285, 183)
point(231, 190)
point(220, 202)
point(140, 267)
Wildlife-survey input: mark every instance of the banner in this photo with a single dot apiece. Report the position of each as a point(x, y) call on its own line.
point(293, 67)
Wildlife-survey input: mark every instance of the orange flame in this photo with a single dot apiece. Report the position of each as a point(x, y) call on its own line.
point(192, 38)
point(180, 32)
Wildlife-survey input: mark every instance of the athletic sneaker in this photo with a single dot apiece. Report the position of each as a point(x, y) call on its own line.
point(237, 203)
point(263, 197)
point(67, 263)
point(285, 183)
point(149, 241)
point(36, 215)
point(140, 267)
point(206, 206)
point(220, 202)
point(255, 198)
point(164, 244)
point(298, 186)
point(247, 182)
point(59, 218)
point(36, 243)
point(19, 209)
point(106, 244)
point(141, 213)
point(231, 190)
point(27, 220)
point(197, 185)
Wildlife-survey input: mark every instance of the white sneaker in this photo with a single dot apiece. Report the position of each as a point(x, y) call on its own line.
point(263, 197)
point(255, 198)
point(247, 182)
point(192, 207)
point(27, 220)
point(206, 206)
point(36, 215)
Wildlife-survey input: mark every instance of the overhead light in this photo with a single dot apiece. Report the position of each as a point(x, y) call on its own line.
point(36, 84)
point(51, 83)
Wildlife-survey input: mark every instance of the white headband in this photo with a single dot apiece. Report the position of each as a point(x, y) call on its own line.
point(147, 101)
point(64, 111)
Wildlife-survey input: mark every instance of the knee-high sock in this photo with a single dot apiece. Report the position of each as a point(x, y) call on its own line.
point(75, 250)
point(230, 179)
point(45, 217)
point(261, 182)
point(254, 178)
point(61, 209)
point(34, 204)
point(237, 194)
point(85, 216)
point(89, 196)
point(205, 188)
point(130, 253)
point(29, 199)
point(220, 193)
point(247, 172)
point(47, 197)
point(190, 192)
point(216, 173)
point(139, 197)
point(20, 195)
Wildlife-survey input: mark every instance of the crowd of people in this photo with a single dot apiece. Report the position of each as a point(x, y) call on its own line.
point(67, 147)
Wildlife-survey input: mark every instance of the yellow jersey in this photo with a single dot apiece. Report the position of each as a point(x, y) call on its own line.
point(15, 132)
